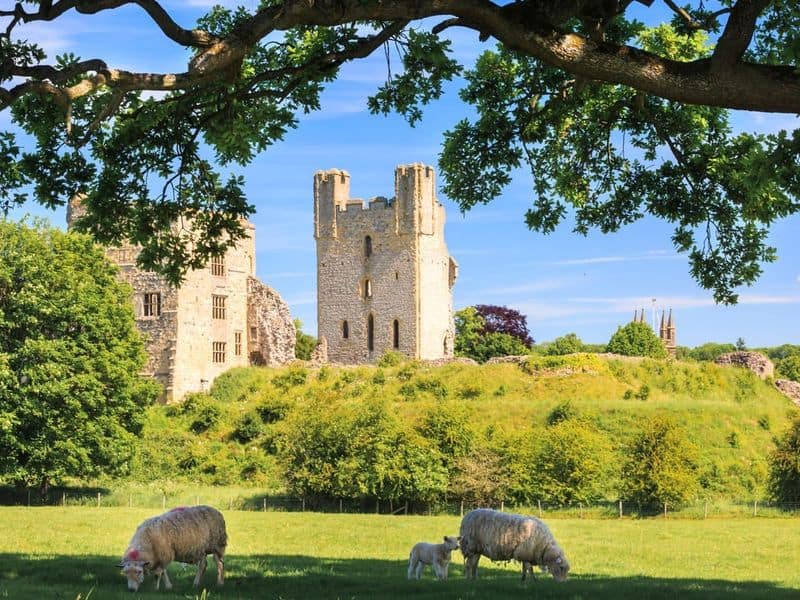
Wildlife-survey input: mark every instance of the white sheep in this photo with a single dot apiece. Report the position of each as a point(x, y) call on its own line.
point(505, 536)
point(184, 534)
point(437, 555)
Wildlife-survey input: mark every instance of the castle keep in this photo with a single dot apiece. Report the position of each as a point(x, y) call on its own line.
point(384, 274)
point(220, 317)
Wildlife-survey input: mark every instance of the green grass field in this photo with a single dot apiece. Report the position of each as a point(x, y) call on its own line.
point(70, 553)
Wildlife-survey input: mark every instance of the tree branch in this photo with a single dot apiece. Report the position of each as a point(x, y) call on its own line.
point(738, 32)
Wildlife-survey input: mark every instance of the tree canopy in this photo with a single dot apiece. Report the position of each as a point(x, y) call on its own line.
point(71, 397)
point(636, 339)
point(613, 119)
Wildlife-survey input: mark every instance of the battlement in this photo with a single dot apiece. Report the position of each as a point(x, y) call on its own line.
point(414, 204)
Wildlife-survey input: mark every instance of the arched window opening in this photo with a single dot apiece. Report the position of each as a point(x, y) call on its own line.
point(345, 330)
point(370, 334)
point(396, 334)
point(367, 288)
point(368, 246)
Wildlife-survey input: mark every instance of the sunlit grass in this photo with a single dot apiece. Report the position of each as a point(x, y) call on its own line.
point(72, 551)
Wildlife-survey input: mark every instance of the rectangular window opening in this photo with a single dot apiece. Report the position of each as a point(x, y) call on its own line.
point(218, 307)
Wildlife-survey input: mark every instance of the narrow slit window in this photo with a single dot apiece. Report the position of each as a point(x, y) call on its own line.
point(368, 246)
point(370, 333)
point(345, 330)
point(396, 334)
point(367, 288)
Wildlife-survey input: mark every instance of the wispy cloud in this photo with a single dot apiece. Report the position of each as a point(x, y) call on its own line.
point(534, 286)
point(593, 260)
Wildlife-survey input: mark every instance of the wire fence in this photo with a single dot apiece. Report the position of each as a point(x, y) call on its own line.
point(103, 497)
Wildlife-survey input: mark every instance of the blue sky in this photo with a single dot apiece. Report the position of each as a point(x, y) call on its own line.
point(562, 282)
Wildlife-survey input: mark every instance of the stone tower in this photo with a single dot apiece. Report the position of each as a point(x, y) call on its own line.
point(667, 333)
point(384, 274)
point(220, 317)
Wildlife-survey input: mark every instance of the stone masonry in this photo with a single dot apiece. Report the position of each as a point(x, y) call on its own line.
point(384, 274)
point(220, 317)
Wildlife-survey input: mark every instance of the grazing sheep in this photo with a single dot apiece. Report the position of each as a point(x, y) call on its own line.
point(503, 536)
point(437, 555)
point(184, 534)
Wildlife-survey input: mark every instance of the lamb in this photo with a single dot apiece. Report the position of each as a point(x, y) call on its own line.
point(437, 555)
point(504, 536)
point(184, 534)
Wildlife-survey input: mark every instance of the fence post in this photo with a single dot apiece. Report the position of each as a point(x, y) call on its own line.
point(462, 507)
point(29, 497)
point(303, 504)
point(98, 499)
point(665, 510)
point(620, 509)
point(264, 504)
point(405, 508)
point(580, 508)
point(540, 508)
point(63, 498)
point(755, 508)
point(340, 505)
point(163, 502)
point(705, 510)
point(377, 507)
point(502, 506)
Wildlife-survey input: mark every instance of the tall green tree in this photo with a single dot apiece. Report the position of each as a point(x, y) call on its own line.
point(71, 397)
point(614, 120)
point(660, 465)
point(474, 341)
point(304, 343)
point(636, 339)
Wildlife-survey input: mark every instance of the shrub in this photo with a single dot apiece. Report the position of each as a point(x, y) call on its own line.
point(272, 410)
point(205, 411)
point(661, 465)
point(636, 339)
point(469, 392)
point(379, 378)
point(562, 412)
point(643, 393)
point(571, 465)
point(291, 377)
point(391, 359)
point(567, 344)
point(789, 367)
point(248, 428)
point(784, 465)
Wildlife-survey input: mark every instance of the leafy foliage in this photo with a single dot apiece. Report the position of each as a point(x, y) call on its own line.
point(789, 367)
point(501, 319)
point(71, 399)
point(636, 339)
point(304, 343)
point(474, 341)
point(567, 344)
point(784, 482)
point(710, 351)
point(660, 465)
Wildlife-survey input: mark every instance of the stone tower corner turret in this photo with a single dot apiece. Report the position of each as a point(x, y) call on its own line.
point(416, 208)
point(331, 193)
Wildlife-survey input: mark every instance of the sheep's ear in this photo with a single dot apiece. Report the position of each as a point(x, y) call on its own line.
point(446, 538)
point(121, 565)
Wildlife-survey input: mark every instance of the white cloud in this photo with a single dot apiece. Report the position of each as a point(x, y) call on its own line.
point(534, 286)
point(650, 255)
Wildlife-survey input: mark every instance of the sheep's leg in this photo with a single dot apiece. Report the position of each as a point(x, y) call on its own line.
point(420, 568)
point(167, 582)
point(412, 567)
point(220, 568)
point(471, 566)
point(201, 569)
point(444, 568)
point(157, 573)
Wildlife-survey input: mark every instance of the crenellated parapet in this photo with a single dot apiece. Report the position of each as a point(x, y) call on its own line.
point(414, 206)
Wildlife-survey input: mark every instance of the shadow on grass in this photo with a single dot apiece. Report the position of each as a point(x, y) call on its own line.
point(35, 577)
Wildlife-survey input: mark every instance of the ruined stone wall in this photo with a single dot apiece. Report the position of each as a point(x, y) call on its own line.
point(755, 361)
point(272, 334)
point(405, 262)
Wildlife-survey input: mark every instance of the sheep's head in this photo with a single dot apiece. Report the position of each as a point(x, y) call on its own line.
point(451, 542)
point(556, 563)
point(134, 570)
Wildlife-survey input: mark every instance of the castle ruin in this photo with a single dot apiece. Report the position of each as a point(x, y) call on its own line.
point(220, 317)
point(384, 274)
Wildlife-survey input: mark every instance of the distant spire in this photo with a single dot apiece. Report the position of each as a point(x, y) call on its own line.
point(662, 331)
point(669, 322)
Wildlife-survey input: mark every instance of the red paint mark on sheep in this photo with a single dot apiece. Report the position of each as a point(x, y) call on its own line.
point(132, 554)
point(178, 509)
